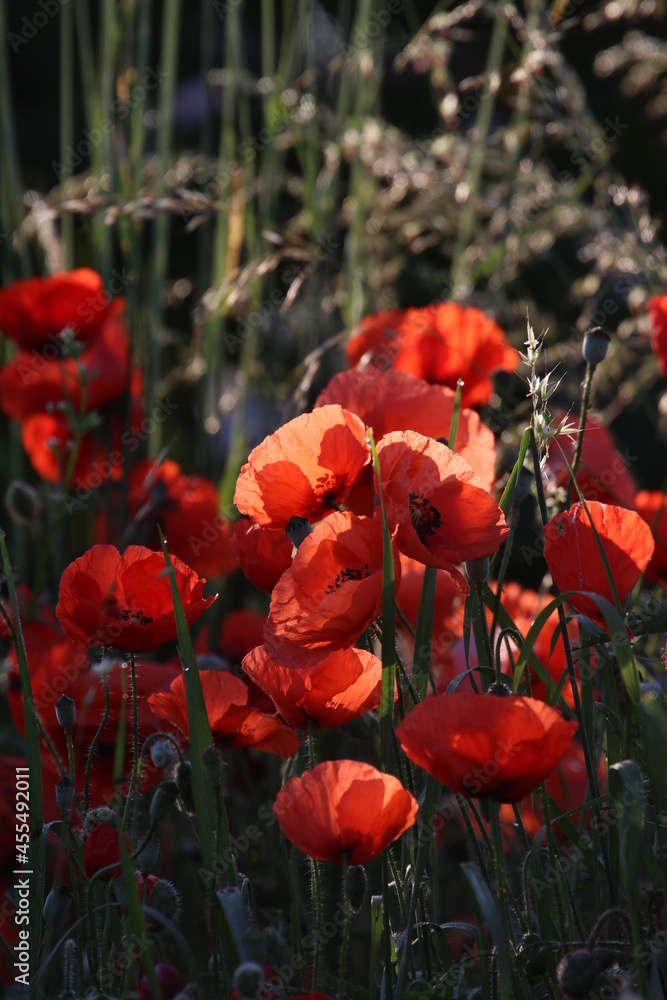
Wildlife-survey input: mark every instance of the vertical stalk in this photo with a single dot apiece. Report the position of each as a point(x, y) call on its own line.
point(585, 402)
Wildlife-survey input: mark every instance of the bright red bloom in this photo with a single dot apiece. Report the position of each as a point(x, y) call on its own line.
point(263, 553)
point(603, 472)
point(36, 310)
point(440, 343)
point(652, 506)
point(574, 560)
point(443, 512)
point(390, 400)
point(30, 382)
point(344, 807)
point(341, 687)
point(101, 849)
point(305, 469)
point(331, 592)
point(106, 599)
point(233, 721)
point(187, 508)
point(484, 745)
point(657, 310)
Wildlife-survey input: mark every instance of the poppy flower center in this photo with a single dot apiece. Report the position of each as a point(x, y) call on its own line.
point(125, 615)
point(355, 573)
point(426, 519)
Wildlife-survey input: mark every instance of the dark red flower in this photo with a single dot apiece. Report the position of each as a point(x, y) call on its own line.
point(36, 310)
point(101, 849)
point(341, 687)
point(603, 472)
point(233, 721)
point(263, 553)
point(443, 512)
point(106, 599)
point(574, 560)
point(305, 469)
point(652, 506)
point(657, 310)
point(483, 745)
point(440, 343)
point(168, 979)
point(344, 807)
point(331, 592)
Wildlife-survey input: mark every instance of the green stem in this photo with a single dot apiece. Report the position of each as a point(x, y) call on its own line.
point(585, 400)
point(96, 739)
point(135, 741)
point(346, 927)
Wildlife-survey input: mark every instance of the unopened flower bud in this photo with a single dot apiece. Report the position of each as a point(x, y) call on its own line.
point(162, 753)
point(66, 712)
point(212, 761)
point(183, 777)
point(65, 794)
point(523, 486)
point(23, 503)
point(478, 569)
point(165, 899)
point(57, 904)
point(500, 690)
point(358, 884)
point(595, 346)
point(577, 973)
point(248, 980)
point(96, 817)
point(298, 528)
point(163, 801)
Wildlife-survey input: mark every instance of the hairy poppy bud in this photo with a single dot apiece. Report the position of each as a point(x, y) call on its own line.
point(478, 569)
point(23, 503)
point(164, 898)
point(162, 753)
point(66, 712)
point(57, 904)
point(523, 486)
point(248, 980)
point(358, 883)
point(577, 973)
point(166, 794)
point(499, 689)
point(65, 794)
point(595, 346)
point(183, 777)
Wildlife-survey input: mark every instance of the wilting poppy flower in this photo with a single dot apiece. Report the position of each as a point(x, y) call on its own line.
point(101, 849)
point(652, 506)
point(187, 508)
point(484, 745)
point(574, 561)
point(344, 807)
point(444, 514)
point(125, 601)
point(440, 343)
point(30, 382)
point(603, 472)
point(36, 310)
point(341, 687)
point(305, 469)
point(263, 553)
point(390, 400)
point(657, 310)
point(233, 721)
point(331, 592)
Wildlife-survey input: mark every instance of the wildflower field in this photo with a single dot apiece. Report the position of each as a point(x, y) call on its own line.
point(333, 499)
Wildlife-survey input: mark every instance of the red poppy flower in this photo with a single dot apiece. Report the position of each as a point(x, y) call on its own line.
point(233, 721)
point(574, 560)
point(34, 311)
point(169, 981)
point(30, 382)
point(305, 469)
point(240, 632)
point(331, 592)
point(603, 472)
point(344, 807)
point(263, 553)
point(483, 745)
point(101, 849)
point(125, 601)
point(341, 687)
point(657, 310)
point(652, 506)
point(188, 510)
point(444, 514)
point(390, 400)
point(440, 343)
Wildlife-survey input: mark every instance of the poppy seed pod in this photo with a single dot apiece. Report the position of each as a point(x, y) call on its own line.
point(595, 346)
point(577, 973)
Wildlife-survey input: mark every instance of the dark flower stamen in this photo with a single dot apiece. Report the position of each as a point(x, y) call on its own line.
point(125, 615)
point(345, 575)
point(426, 519)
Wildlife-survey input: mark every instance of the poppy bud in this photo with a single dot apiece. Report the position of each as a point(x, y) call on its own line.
point(57, 904)
point(478, 569)
point(298, 528)
point(212, 761)
point(523, 486)
point(65, 794)
point(183, 777)
point(577, 973)
point(23, 503)
point(168, 979)
point(531, 955)
point(248, 980)
point(164, 898)
point(499, 689)
point(103, 815)
point(66, 712)
point(358, 884)
point(595, 346)
point(162, 753)
point(162, 802)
